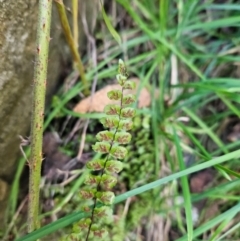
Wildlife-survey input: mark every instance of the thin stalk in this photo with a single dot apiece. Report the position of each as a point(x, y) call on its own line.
point(163, 16)
point(69, 38)
point(75, 21)
point(39, 90)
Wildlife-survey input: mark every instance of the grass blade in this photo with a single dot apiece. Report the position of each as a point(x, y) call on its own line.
point(110, 27)
point(185, 188)
point(74, 217)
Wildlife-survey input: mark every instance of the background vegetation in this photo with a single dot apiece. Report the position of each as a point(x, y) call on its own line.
point(183, 162)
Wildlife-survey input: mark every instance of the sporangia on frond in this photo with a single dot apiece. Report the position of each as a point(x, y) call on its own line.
point(103, 178)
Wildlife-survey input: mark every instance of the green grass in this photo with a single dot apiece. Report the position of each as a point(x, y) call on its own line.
point(63, 222)
point(198, 43)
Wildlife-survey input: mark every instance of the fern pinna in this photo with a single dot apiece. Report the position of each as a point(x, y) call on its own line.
point(118, 120)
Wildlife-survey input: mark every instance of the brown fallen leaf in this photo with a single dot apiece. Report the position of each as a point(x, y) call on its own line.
point(100, 99)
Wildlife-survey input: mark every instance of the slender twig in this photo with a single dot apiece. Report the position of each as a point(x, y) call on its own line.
point(39, 90)
point(83, 138)
point(75, 21)
point(15, 216)
point(24, 142)
point(69, 38)
point(94, 58)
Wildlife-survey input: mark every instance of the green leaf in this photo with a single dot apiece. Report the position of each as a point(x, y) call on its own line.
point(114, 94)
point(125, 125)
point(114, 166)
point(108, 181)
point(129, 99)
point(84, 223)
point(106, 198)
point(105, 136)
point(101, 147)
point(185, 188)
point(86, 208)
point(103, 211)
point(118, 152)
point(95, 165)
point(110, 122)
point(100, 233)
point(92, 179)
point(95, 226)
point(75, 216)
point(72, 236)
point(129, 85)
point(123, 137)
point(110, 27)
point(128, 112)
point(88, 194)
point(76, 229)
point(112, 109)
point(122, 70)
point(121, 79)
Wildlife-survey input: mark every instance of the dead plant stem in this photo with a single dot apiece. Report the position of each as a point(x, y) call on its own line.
point(71, 43)
point(75, 21)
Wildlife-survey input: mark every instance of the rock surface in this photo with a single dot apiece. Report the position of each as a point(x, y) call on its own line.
point(17, 47)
